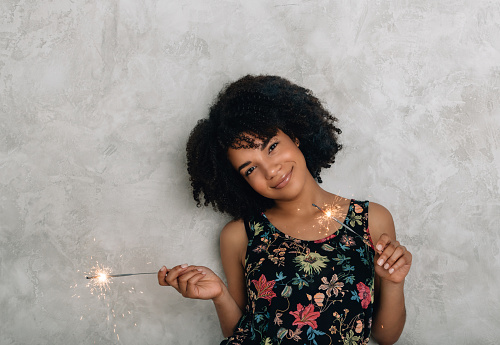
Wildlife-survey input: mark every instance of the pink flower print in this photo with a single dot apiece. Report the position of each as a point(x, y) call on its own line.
point(332, 286)
point(359, 326)
point(264, 288)
point(347, 240)
point(364, 294)
point(305, 316)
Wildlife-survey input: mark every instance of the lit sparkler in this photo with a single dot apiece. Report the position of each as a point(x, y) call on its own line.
point(100, 279)
point(329, 214)
point(100, 285)
point(104, 276)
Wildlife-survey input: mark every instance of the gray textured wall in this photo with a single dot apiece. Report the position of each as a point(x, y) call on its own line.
point(97, 100)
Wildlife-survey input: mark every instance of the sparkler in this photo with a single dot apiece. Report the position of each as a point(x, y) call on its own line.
point(329, 214)
point(100, 285)
point(100, 279)
point(104, 276)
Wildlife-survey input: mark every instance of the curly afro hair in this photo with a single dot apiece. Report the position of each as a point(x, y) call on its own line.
point(255, 107)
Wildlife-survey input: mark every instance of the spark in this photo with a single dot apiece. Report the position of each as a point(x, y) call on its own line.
point(99, 279)
point(329, 214)
point(104, 276)
point(101, 283)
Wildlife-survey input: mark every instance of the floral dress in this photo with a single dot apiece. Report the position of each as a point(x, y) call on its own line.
point(308, 292)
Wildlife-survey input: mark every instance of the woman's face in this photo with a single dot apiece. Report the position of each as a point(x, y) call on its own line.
point(276, 169)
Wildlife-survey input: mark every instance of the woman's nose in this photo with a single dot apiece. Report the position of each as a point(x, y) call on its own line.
point(271, 169)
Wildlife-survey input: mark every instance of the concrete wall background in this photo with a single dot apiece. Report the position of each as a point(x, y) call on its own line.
point(98, 98)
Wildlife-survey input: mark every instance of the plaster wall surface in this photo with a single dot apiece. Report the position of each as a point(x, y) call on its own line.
point(97, 99)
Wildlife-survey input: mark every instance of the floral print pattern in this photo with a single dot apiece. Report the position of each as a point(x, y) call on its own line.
point(308, 292)
point(264, 288)
point(305, 316)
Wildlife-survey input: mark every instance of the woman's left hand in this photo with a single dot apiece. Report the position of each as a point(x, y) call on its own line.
point(392, 260)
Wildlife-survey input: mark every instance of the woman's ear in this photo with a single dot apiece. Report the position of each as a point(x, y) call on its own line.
point(297, 142)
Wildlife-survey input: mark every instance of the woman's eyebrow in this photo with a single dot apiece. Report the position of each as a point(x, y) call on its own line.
point(244, 165)
point(265, 143)
point(262, 148)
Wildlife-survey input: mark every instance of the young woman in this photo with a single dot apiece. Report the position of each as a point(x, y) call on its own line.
point(296, 273)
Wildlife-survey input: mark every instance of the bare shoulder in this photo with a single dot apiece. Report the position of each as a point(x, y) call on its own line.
point(233, 246)
point(380, 221)
point(233, 240)
point(233, 232)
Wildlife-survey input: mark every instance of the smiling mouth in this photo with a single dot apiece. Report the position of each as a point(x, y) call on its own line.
point(284, 181)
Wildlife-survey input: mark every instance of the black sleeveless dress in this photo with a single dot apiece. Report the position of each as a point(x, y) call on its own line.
point(308, 292)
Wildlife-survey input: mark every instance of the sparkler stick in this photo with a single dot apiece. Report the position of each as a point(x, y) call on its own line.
point(105, 276)
point(329, 215)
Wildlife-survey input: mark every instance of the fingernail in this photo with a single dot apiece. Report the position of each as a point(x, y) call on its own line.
point(380, 262)
point(379, 247)
point(391, 270)
point(386, 266)
point(163, 269)
point(184, 265)
point(199, 269)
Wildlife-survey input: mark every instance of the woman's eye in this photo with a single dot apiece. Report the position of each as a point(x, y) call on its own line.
point(272, 147)
point(249, 171)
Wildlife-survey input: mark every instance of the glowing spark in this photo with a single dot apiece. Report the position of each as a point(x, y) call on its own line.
point(105, 276)
point(328, 214)
point(100, 285)
point(100, 279)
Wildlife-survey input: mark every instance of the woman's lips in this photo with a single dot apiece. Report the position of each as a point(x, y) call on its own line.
point(284, 181)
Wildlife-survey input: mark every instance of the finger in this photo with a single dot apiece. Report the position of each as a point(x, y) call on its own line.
point(388, 251)
point(383, 242)
point(404, 260)
point(173, 274)
point(191, 283)
point(183, 280)
point(398, 252)
point(186, 270)
point(161, 276)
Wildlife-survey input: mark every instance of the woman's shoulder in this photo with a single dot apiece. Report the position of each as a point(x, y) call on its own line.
point(233, 242)
point(233, 232)
point(378, 212)
point(380, 221)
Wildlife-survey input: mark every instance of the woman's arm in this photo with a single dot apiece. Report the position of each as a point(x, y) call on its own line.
point(233, 243)
point(200, 282)
point(392, 263)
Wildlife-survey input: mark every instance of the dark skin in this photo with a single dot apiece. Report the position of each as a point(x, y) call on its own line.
point(277, 170)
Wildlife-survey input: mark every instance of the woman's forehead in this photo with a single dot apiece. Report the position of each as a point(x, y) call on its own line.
point(252, 140)
point(249, 140)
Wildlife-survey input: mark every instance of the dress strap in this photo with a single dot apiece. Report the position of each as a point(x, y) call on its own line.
point(366, 230)
point(248, 230)
point(357, 218)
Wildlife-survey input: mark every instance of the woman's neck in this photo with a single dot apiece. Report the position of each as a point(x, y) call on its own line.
point(302, 204)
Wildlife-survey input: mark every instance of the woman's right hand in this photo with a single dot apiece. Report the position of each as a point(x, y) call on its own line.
point(192, 281)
